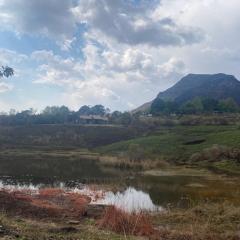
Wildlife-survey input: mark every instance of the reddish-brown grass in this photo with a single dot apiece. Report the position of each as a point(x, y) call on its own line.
point(52, 203)
point(50, 192)
point(119, 221)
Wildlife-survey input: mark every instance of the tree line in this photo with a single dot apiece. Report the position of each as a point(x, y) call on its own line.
point(62, 115)
point(196, 106)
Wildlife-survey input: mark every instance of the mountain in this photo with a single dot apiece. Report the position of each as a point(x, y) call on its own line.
point(217, 86)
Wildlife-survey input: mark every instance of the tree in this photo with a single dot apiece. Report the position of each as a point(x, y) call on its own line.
point(115, 117)
point(210, 104)
point(170, 107)
point(125, 119)
point(192, 107)
point(198, 105)
point(157, 106)
point(187, 108)
point(6, 72)
point(228, 105)
point(84, 110)
point(98, 110)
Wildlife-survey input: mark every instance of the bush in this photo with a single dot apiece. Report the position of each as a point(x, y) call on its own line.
point(119, 221)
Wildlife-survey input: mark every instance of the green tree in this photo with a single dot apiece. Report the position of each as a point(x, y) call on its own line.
point(98, 110)
point(210, 104)
point(84, 110)
point(228, 105)
point(125, 118)
point(6, 72)
point(188, 108)
point(170, 107)
point(157, 107)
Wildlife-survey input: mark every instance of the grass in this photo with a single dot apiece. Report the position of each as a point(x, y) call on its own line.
point(227, 166)
point(213, 221)
point(179, 142)
point(119, 221)
point(24, 229)
point(204, 221)
point(62, 136)
point(126, 163)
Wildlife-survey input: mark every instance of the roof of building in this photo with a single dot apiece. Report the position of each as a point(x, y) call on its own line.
point(94, 117)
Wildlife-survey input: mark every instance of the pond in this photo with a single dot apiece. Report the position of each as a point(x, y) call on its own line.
point(177, 186)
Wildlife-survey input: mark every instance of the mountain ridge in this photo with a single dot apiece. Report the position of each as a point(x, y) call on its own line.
point(217, 86)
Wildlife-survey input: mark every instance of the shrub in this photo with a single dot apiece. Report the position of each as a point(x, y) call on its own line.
point(119, 221)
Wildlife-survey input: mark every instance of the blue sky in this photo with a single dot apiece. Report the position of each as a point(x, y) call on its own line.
point(116, 53)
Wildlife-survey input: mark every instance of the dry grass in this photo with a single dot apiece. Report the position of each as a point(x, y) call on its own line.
point(118, 221)
point(205, 221)
point(49, 203)
point(219, 221)
point(126, 163)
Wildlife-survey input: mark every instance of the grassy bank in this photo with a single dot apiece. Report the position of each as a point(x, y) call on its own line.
point(201, 222)
point(178, 145)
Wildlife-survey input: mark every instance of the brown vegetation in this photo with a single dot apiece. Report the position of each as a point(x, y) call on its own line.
point(124, 162)
point(206, 221)
point(49, 203)
point(119, 221)
point(217, 153)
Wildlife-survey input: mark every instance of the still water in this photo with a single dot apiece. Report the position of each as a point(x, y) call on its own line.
point(170, 186)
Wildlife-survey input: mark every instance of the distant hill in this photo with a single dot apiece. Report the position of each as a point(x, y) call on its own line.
point(216, 86)
point(143, 108)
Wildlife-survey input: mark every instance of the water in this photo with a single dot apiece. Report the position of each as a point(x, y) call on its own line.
point(172, 186)
point(130, 200)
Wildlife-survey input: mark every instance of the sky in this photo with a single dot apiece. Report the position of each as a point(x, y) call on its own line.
point(119, 53)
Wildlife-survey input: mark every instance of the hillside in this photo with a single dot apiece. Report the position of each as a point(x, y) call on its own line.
point(211, 146)
point(216, 86)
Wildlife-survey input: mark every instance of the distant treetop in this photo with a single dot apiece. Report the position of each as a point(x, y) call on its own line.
point(6, 72)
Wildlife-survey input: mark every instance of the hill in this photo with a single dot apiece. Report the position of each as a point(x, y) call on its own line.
point(216, 86)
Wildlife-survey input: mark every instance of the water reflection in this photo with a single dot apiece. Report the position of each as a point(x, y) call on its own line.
point(131, 200)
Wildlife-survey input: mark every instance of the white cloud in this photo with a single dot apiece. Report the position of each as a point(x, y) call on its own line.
point(52, 18)
point(8, 57)
point(129, 52)
point(133, 23)
point(5, 87)
point(114, 78)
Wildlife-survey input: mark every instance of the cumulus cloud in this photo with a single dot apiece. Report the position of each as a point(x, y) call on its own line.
point(4, 87)
point(52, 18)
point(105, 76)
point(133, 23)
point(125, 51)
point(8, 57)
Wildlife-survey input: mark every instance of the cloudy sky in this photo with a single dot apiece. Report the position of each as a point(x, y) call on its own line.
point(119, 53)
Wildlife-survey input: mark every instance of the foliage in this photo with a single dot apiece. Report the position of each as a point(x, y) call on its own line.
point(6, 72)
point(195, 106)
point(50, 115)
point(95, 110)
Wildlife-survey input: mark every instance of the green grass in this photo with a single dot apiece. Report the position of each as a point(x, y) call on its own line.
point(20, 228)
point(227, 166)
point(172, 143)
